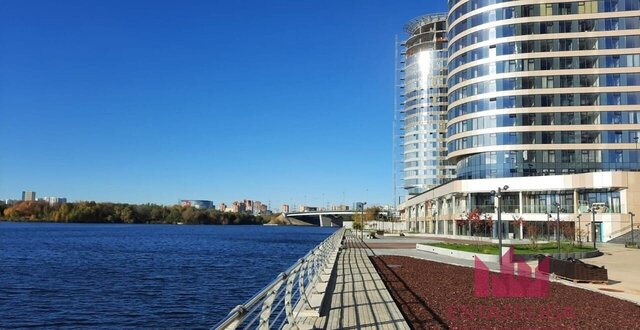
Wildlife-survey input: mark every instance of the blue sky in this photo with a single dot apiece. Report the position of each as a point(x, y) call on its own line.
point(154, 101)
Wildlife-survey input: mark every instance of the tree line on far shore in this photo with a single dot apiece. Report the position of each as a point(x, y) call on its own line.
point(92, 212)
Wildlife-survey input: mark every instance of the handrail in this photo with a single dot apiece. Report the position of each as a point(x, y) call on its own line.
point(281, 301)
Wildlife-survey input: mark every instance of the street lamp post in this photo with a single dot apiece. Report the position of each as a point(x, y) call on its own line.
point(632, 215)
point(637, 156)
point(549, 217)
point(362, 220)
point(498, 195)
point(557, 205)
point(593, 211)
point(579, 229)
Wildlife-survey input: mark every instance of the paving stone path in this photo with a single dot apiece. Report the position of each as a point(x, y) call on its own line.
point(358, 297)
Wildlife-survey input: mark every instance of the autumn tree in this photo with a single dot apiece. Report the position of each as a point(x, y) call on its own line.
point(533, 232)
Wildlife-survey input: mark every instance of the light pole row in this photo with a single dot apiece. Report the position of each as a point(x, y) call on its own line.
point(498, 195)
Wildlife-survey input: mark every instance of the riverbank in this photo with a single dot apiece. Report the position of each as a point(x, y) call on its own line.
point(92, 212)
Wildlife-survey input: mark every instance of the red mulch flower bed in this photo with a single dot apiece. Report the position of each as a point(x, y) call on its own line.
point(433, 295)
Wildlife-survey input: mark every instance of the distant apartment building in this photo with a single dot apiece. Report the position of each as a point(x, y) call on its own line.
point(238, 207)
point(340, 208)
point(358, 206)
point(222, 207)
point(197, 203)
point(55, 200)
point(284, 208)
point(305, 208)
point(28, 196)
point(257, 207)
point(248, 205)
point(264, 209)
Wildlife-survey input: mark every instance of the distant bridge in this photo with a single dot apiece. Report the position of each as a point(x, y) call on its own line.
point(322, 218)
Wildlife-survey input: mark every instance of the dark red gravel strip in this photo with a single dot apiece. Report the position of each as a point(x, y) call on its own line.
point(433, 295)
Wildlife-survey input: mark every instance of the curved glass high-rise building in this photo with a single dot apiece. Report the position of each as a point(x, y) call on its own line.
point(543, 87)
point(425, 104)
point(543, 100)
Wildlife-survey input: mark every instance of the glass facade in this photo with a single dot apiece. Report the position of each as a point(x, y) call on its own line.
point(543, 88)
point(424, 107)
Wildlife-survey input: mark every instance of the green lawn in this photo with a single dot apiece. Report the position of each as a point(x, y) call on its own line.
point(519, 249)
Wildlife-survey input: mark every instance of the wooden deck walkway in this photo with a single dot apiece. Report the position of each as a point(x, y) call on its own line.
point(357, 297)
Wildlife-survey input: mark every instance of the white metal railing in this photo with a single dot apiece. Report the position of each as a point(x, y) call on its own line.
point(280, 303)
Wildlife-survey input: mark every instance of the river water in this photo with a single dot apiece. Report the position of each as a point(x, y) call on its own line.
point(138, 276)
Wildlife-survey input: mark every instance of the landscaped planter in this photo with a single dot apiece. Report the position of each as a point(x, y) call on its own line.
point(494, 257)
point(564, 255)
point(456, 253)
point(577, 270)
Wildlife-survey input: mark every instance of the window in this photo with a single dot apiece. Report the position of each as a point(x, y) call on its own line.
point(568, 156)
point(588, 7)
point(589, 137)
point(528, 83)
point(565, 26)
point(565, 44)
point(612, 61)
point(566, 99)
point(529, 119)
point(617, 156)
point(568, 137)
point(565, 8)
point(611, 24)
point(617, 117)
point(527, 11)
point(549, 156)
point(588, 62)
point(566, 63)
point(529, 65)
point(610, 5)
point(546, 27)
point(507, 12)
point(567, 118)
point(546, 64)
point(527, 28)
point(589, 99)
point(587, 43)
point(587, 25)
point(590, 156)
point(588, 81)
point(612, 42)
point(613, 80)
point(617, 137)
point(613, 99)
point(566, 81)
point(528, 101)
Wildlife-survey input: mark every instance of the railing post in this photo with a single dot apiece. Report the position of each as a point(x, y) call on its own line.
point(311, 284)
point(265, 313)
point(288, 298)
